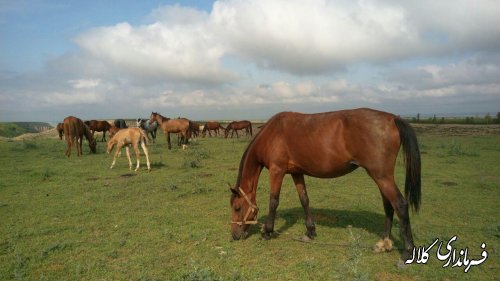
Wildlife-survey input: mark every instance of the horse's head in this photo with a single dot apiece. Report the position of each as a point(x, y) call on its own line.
point(93, 145)
point(113, 130)
point(153, 116)
point(110, 145)
point(244, 212)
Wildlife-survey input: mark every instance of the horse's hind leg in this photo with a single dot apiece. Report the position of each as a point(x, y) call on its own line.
point(399, 204)
point(300, 185)
point(145, 149)
point(385, 244)
point(137, 156)
point(69, 142)
point(127, 149)
point(79, 146)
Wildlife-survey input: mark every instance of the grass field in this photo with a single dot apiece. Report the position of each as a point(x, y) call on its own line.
point(75, 219)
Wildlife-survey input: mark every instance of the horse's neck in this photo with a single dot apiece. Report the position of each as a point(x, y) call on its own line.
point(88, 134)
point(160, 118)
point(249, 171)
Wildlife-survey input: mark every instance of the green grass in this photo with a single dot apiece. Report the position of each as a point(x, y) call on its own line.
point(10, 130)
point(76, 219)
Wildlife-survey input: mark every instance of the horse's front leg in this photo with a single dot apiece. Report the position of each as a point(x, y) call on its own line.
point(300, 185)
point(127, 149)
point(117, 153)
point(276, 179)
point(168, 141)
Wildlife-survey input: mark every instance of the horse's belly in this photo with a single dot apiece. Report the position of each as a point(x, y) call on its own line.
point(322, 170)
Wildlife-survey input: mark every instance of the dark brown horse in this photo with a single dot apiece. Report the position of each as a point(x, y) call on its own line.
point(195, 129)
point(179, 125)
point(99, 126)
point(120, 124)
point(238, 125)
point(60, 130)
point(74, 131)
point(336, 143)
point(212, 126)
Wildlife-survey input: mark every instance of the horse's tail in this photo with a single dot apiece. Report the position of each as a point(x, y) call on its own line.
point(251, 133)
point(412, 162)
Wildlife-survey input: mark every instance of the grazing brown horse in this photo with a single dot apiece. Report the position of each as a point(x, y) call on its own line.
point(179, 125)
point(74, 130)
point(113, 130)
point(195, 129)
point(212, 126)
point(60, 130)
point(238, 125)
point(336, 143)
point(99, 126)
point(126, 137)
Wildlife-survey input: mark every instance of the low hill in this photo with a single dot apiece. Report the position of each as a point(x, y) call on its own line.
point(14, 129)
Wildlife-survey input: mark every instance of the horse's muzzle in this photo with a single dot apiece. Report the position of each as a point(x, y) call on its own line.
point(239, 235)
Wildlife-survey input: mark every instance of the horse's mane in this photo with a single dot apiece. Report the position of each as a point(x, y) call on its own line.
point(240, 170)
point(88, 134)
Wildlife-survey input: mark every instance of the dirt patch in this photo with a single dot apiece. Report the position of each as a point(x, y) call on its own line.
point(449, 183)
point(127, 175)
point(204, 175)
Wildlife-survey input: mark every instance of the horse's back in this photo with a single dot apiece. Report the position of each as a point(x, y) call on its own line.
point(327, 144)
point(73, 127)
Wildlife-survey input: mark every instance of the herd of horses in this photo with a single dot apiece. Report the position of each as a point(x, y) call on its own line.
point(74, 129)
point(321, 145)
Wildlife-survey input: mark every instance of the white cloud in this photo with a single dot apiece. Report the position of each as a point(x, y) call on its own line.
point(161, 50)
point(65, 99)
point(248, 54)
point(84, 83)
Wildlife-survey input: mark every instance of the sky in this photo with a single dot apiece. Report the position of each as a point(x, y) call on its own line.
point(246, 59)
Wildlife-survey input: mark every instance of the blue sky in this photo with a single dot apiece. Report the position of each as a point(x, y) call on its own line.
point(238, 59)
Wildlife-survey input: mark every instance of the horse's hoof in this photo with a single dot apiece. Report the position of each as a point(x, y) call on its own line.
point(305, 238)
point(384, 245)
point(265, 236)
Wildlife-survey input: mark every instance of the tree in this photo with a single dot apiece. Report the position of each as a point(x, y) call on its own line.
point(487, 118)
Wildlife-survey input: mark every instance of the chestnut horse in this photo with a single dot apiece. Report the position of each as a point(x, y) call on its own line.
point(238, 125)
point(336, 143)
point(179, 125)
point(126, 137)
point(212, 126)
point(113, 130)
point(99, 126)
point(60, 130)
point(74, 130)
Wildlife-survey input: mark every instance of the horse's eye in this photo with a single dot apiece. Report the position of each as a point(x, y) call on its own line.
point(237, 209)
